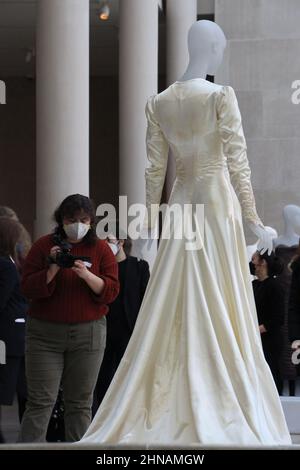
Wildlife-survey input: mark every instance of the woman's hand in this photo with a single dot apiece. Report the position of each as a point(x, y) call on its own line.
point(81, 270)
point(94, 282)
point(53, 252)
point(53, 268)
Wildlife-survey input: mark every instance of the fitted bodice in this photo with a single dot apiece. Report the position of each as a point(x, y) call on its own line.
point(187, 115)
point(193, 167)
point(200, 123)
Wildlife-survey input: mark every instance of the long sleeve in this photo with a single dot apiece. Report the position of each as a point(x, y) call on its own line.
point(157, 153)
point(108, 271)
point(34, 274)
point(235, 150)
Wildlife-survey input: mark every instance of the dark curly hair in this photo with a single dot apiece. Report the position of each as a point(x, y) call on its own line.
point(274, 263)
point(70, 207)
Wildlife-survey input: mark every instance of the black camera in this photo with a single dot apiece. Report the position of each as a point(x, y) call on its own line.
point(64, 259)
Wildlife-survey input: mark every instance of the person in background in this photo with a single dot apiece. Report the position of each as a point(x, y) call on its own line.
point(294, 303)
point(133, 276)
point(13, 309)
point(269, 298)
point(24, 244)
point(66, 328)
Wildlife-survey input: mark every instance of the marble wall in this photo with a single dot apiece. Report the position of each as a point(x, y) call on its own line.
point(261, 62)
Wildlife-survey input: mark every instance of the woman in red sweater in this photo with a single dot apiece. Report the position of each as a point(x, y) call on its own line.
point(66, 328)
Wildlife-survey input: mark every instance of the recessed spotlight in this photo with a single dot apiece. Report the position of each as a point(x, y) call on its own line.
point(104, 12)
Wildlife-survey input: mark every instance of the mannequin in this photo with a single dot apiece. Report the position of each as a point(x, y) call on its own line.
point(286, 246)
point(194, 370)
point(206, 46)
point(291, 216)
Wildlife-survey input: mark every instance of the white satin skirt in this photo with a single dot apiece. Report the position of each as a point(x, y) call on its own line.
point(194, 371)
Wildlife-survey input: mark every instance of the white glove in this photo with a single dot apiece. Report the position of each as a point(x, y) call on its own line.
point(265, 241)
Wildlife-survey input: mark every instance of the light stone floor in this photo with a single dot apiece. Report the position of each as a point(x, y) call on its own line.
point(10, 428)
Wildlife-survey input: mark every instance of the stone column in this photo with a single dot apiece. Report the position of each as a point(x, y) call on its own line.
point(62, 105)
point(180, 17)
point(260, 65)
point(138, 65)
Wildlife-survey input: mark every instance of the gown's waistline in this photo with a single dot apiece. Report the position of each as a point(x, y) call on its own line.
point(200, 171)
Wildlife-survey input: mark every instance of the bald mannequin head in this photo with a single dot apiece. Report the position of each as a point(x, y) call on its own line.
point(207, 41)
point(206, 45)
point(291, 235)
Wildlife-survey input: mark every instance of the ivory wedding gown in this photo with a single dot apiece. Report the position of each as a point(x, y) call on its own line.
point(194, 371)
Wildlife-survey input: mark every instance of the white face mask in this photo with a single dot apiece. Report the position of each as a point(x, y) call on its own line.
point(76, 231)
point(114, 247)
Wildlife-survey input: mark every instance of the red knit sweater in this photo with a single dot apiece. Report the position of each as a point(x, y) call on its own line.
point(67, 298)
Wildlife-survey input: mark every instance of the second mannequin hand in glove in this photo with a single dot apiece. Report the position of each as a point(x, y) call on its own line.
point(265, 242)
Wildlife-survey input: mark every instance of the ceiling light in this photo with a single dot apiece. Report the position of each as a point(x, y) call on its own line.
point(104, 12)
